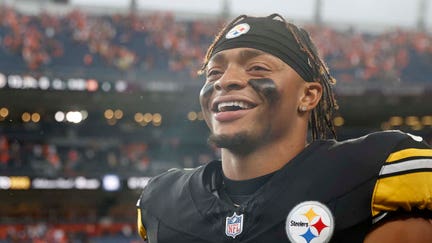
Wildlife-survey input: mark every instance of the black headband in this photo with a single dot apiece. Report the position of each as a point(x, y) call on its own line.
point(271, 36)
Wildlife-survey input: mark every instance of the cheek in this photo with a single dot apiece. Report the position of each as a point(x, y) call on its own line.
point(204, 98)
point(266, 88)
point(205, 93)
point(206, 90)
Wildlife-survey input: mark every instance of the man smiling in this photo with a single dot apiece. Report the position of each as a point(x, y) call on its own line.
point(266, 89)
point(255, 130)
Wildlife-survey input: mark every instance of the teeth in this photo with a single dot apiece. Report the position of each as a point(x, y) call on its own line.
point(240, 104)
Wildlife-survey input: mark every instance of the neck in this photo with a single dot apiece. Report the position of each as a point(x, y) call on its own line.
point(262, 161)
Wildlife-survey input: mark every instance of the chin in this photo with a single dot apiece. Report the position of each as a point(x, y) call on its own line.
point(241, 142)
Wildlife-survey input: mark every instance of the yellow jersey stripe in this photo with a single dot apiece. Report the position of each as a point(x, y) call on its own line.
point(141, 229)
point(403, 191)
point(409, 165)
point(406, 153)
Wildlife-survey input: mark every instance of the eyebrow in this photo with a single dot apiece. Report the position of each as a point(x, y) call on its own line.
point(242, 57)
point(249, 54)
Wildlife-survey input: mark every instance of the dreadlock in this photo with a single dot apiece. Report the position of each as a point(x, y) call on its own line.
point(321, 120)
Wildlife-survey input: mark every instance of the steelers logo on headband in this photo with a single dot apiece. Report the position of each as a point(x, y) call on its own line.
point(268, 35)
point(237, 31)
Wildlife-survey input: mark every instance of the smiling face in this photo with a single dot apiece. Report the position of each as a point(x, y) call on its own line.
point(251, 98)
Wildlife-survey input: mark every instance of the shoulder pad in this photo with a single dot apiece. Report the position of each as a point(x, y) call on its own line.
point(166, 187)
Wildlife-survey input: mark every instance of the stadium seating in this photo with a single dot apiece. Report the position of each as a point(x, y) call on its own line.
point(80, 42)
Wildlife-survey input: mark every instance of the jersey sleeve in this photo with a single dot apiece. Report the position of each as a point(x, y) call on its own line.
point(405, 179)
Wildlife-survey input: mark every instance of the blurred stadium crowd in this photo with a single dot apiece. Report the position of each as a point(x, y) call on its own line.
point(64, 233)
point(95, 158)
point(160, 42)
point(82, 43)
point(122, 42)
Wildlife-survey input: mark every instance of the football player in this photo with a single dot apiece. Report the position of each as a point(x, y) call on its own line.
point(266, 89)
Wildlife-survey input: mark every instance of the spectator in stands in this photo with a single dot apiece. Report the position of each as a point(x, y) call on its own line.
point(4, 152)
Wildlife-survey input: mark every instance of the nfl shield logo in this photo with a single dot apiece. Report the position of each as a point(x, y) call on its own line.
point(234, 225)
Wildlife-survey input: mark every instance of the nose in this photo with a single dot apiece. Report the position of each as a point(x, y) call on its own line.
point(232, 79)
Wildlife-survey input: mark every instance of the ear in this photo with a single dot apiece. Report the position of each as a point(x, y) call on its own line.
point(311, 96)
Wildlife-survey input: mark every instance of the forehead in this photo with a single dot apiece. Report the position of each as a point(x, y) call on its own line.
point(240, 54)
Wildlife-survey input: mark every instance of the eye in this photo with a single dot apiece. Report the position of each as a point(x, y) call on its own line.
point(259, 68)
point(213, 73)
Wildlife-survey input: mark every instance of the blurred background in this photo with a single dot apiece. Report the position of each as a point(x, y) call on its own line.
point(96, 97)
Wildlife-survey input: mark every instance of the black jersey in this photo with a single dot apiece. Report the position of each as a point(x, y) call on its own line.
point(359, 181)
